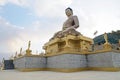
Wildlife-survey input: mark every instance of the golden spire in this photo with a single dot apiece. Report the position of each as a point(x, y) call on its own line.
point(20, 50)
point(29, 43)
point(28, 51)
point(20, 54)
point(15, 55)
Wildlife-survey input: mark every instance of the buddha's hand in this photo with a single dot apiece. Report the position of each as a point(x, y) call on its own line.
point(69, 28)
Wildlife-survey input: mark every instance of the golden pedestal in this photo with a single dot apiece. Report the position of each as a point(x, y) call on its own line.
point(20, 55)
point(68, 44)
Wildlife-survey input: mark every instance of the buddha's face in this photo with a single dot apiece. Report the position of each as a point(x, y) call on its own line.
point(68, 12)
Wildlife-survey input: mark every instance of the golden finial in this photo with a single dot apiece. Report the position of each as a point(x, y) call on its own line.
point(28, 51)
point(20, 54)
point(15, 55)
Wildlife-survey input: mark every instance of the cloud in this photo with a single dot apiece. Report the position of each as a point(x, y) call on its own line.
point(41, 7)
point(7, 28)
point(92, 15)
point(3, 2)
point(7, 32)
point(14, 37)
point(16, 2)
point(97, 15)
point(52, 9)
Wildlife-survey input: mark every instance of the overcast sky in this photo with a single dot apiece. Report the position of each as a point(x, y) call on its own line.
point(38, 20)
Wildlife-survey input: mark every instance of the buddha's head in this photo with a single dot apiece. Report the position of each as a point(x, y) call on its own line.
point(69, 11)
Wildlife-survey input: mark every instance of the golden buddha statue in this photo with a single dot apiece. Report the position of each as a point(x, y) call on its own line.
point(68, 39)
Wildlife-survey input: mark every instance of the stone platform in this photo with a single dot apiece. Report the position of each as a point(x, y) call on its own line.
point(105, 61)
point(71, 62)
point(30, 63)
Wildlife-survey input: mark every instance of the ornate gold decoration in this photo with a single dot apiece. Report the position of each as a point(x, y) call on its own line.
point(69, 43)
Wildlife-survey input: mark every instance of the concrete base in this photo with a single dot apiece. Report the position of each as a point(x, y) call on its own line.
point(67, 61)
point(105, 61)
point(29, 62)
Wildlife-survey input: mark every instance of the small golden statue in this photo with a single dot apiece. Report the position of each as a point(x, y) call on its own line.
point(106, 38)
point(107, 45)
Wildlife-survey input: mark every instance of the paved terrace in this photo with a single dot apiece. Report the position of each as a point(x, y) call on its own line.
point(48, 75)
